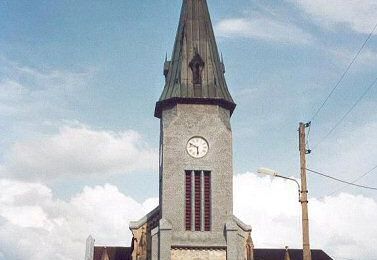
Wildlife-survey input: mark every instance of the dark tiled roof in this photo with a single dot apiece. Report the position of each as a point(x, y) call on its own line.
point(195, 43)
point(114, 253)
point(295, 254)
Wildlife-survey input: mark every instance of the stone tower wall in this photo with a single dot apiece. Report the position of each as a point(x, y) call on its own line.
point(178, 125)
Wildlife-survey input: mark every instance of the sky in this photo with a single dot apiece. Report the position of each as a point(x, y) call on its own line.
point(79, 142)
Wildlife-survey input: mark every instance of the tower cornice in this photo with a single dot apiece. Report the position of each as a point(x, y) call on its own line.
point(160, 105)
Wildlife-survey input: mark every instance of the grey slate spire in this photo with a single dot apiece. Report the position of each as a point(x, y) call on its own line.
point(195, 74)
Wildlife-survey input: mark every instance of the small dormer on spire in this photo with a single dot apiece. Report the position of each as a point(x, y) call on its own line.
point(197, 65)
point(195, 73)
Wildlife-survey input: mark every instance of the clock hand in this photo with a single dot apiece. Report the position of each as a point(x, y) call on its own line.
point(194, 145)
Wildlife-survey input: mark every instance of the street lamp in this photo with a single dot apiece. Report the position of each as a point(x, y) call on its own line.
point(304, 207)
point(273, 173)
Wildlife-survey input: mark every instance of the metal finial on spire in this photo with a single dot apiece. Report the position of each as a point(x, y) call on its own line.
point(166, 66)
point(222, 63)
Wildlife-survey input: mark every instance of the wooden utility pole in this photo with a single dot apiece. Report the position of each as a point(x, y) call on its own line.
point(304, 192)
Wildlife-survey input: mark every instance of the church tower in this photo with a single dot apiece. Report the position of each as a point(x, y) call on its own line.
point(195, 218)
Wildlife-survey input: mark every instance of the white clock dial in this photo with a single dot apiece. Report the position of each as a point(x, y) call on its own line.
point(197, 147)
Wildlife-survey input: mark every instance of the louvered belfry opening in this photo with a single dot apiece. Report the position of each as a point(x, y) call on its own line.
point(198, 200)
point(188, 200)
point(198, 203)
point(207, 201)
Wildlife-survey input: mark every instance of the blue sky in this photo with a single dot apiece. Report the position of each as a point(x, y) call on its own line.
point(79, 81)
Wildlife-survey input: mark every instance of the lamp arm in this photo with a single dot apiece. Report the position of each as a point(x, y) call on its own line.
point(291, 179)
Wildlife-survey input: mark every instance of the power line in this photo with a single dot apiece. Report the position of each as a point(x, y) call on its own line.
point(344, 74)
point(348, 112)
point(355, 180)
point(339, 180)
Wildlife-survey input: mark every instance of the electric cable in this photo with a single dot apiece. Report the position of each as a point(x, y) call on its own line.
point(339, 180)
point(344, 74)
point(347, 113)
point(355, 180)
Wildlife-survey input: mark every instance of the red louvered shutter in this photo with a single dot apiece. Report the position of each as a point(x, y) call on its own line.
point(207, 201)
point(188, 200)
point(198, 208)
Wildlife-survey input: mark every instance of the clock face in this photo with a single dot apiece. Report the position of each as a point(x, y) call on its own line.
point(197, 147)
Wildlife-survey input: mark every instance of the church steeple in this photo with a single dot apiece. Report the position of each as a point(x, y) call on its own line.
point(195, 218)
point(195, 74)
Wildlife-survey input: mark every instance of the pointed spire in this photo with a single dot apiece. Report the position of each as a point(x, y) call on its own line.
point(196, 73)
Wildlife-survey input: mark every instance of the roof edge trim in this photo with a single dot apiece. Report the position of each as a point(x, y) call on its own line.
point(160, 105)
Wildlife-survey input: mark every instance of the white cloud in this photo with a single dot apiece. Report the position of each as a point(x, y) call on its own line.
point(58, 229)
point(79, 151)
point(38, 79)
point(349, 151)
point(366, 58)
point(11, 94)
point(27, 92)
point(270, 206)
point(359, 15)
point(264, 28)
point(343, 225)
point(11, 90)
